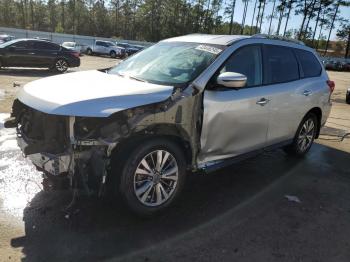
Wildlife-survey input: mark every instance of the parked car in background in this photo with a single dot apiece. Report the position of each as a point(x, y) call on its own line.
point(130, 49)
point(330, 64)
point(5, 38)
point(37, 53)
point(195, 102)
point(346, 66)
point(42, 38)
point(72, 46)
point(106, 48)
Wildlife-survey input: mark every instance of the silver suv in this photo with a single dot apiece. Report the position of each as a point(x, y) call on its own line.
point(106, 48)
point(187, 104)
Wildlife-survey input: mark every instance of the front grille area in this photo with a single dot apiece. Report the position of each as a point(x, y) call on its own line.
point(43, 132)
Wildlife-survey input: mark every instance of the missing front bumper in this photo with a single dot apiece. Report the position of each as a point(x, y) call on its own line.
point(46, 162)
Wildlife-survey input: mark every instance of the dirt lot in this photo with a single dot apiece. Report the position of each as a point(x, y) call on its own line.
point(240, 213)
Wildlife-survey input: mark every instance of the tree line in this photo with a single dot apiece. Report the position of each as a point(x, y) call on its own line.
point(152, 20)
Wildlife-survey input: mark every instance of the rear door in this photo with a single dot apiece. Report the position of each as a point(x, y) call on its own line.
point(235, 121)
point(100, 47)
point(287, 102)
point(45, 53)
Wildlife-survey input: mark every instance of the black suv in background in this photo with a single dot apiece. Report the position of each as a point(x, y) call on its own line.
point(130, 49)
point(37, 53)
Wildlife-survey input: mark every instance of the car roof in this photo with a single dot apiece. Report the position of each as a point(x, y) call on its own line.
point(35, 39)
point(227, 40)
point(207, 39)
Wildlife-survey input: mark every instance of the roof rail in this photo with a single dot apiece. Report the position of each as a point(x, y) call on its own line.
point(281, 38)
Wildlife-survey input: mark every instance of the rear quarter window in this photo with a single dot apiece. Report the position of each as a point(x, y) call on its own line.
point(310, 67)
point(46, 46)
point(280, 64)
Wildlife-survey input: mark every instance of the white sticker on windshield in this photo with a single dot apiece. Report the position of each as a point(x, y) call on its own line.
point(208, 48)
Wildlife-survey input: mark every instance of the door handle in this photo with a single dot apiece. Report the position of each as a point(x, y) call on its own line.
point(307, 92)
point(263, 101)
point(31, 53)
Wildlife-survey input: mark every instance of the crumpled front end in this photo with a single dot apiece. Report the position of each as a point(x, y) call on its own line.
point(57, 149)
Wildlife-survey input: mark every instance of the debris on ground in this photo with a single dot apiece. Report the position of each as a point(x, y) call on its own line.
point(292, 198)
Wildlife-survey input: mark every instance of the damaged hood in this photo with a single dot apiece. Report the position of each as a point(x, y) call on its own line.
point(90, 93)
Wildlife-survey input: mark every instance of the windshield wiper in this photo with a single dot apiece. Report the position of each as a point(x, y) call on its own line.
point(131, 77)
point(137, 79)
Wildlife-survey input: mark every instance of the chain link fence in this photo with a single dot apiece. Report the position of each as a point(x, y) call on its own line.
point(60, 38)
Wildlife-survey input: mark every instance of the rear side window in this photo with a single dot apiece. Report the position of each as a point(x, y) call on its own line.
point(310, 67)
point(280, 65)
point(99, 43)
point(46, 46)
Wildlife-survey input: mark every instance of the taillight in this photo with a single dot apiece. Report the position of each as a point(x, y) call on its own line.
point(331, 85)
point(76, 54)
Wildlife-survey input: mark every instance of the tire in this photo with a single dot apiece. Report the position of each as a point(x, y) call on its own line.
point(145, 192)
point(61, 65)
point(89, 51)
point(113, 54)
point(0, 64)
point(302, 141)
point(347, 99)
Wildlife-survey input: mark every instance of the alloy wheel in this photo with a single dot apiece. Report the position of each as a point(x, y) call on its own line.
point(306, 135)
point(155, 178)
point(61, 65)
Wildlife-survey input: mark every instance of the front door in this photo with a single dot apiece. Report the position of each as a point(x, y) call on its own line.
point(17, 54)
point(235, 121)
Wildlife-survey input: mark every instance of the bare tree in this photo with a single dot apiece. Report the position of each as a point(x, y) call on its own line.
point(246, 2)
point(272, 15)
point(289, 6)
point(251, 25)
point(344, 34)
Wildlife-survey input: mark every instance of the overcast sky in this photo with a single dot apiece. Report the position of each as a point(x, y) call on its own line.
point(294, 21)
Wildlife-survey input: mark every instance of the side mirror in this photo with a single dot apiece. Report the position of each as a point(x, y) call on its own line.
point(232, 80)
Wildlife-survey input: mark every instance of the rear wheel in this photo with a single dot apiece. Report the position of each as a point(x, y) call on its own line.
point(152, 176)
point(113, 54)
point(61, 65)
point(304, 137)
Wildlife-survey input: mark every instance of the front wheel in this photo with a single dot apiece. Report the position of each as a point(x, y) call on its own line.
point(153, 176)
point(304, 137)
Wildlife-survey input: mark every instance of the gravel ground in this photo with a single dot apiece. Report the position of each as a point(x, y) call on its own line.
point(239, 213)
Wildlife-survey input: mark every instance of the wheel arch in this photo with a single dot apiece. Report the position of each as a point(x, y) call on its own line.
point(168, 132)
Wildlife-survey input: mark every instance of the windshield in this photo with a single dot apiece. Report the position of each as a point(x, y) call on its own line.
point(168, 63)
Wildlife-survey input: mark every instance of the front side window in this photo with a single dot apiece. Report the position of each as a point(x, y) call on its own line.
point(169, 63)
point(246, 61)
point(280, 65)
point(309, 63)
point(20, 45)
